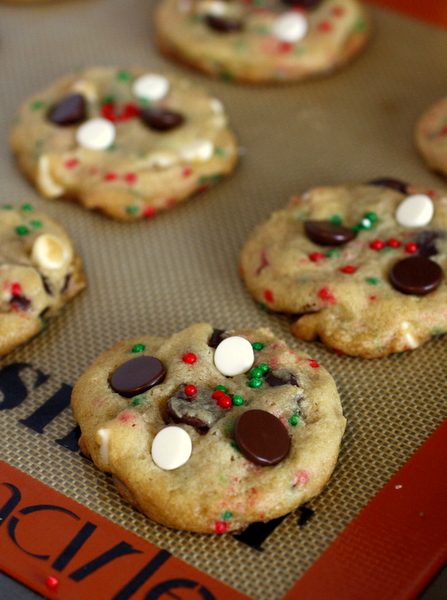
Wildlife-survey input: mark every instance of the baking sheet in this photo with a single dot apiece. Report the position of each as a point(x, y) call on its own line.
point(161, 275)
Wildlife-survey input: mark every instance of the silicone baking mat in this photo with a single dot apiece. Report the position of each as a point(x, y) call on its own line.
point(163, 274)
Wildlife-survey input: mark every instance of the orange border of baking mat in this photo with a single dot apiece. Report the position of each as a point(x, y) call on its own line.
point(433, 11)
point(391, 550)
point(65, 551)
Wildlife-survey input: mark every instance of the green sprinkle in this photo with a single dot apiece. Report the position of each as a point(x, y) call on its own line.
point(254, 382)
point(36, 224)
point(123, 76)
point(138, 348)
point(145, 101)
point(257, 346)
point(332, 252)
point(336, 219)
point(372, 280)
point(220, 151)
point(227, 515)
point(264, 368)
point(108, 99)
point(238, 400)
point(37, 104)
point(22, 230)
point(293, 420)
point(235, 446)
point(356, 228)
point(203, 179)
point(42, 322)
point(27, 207)
point(365, 223)
point(255, 373)
point(371, 216)
point(216, 177)
point(111, 148)
point(360, 25)
point(227, 76)
point(7, 207)
point(220, 387)
point(137, 400)
point(438, 331)
point(197, 18)
point(132, 209)
point(258, 2)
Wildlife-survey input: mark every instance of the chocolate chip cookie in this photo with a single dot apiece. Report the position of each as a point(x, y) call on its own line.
point(362, 267)
point(210, 430)
point(431, 136)
point(127, 142)
point(262, 40)
point(39, 272)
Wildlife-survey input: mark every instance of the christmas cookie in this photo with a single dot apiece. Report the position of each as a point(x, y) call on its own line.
point(431, 136)
point(127, 142)
point(210, 430)
point(262, 40)
point(362, 267)
point(39, 272)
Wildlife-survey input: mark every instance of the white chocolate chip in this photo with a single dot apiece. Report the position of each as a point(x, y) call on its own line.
point(161, 159)
point(45, 181)
point(408, 336)
point(96, 134)
point(290, 27)
point(87, 88)
point(415, 211)
point(233, 356)
point(216, 106)
point(49, 252)
point(150, 87)
point(197, 150)
point(171, 448)
point(103, 435)
point(217, 8)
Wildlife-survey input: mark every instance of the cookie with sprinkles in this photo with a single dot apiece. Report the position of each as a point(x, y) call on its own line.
point(40, 271)
point(431, 136)
point(210, 430)
point(262, 40)
point(361, 267)
point(127, 142)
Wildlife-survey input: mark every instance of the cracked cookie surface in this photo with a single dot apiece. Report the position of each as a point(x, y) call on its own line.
point(127, 142)
point(380, 292)
point(39, 272)
point(262, 40)
point(180, 451)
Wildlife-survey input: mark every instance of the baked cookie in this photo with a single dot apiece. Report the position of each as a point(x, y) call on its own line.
point(262, 40)
point(210, 430)
point(39, 272)
point(359, 266)
point(431, 136)
point(127, 142)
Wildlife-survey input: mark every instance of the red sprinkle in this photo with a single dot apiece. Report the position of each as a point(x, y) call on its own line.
point(149, 211)
point(190, 390)
point(110, 176)
point(338, 11)
point(186, 172)
point(16, 289)
point(268, 295)
point(220, 527)
point(130, 177)
point(393, 243)
point(285, 47)
point(51, 582)
point(71, 163)
point(225, 402)
point(325, 26)
point(373, 297)
point(316, 256)
point(130, 110)
point(108, 112)
point(313, 364)
point(326, 294)
point(348, 269)
point(189, 358)
point(377, 245)
point(411, 248)
point(217, 394)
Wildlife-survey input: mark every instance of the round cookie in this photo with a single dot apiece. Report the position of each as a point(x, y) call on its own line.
point(199, 450)
point(362, 267)
point(431, 136)
point(262, 40)
point(39, 272)
point(128, 142)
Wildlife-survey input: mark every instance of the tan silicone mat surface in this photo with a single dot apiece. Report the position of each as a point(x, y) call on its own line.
point(161, 275)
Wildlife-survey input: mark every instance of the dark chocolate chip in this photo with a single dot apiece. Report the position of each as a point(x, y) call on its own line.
point(327, 233)
point(280, 377)
point(309, 4)
point(46, 285)
point(137, 375)
point(416, 275)
point(305, 515)
point(223, 24)
point(69, 111)
point(161, 119)
point(200, 411)
point(425, 241)
point(216, 337)
point(258, 532)
point(394, 184)
point(261, 437)
point(20, 303)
